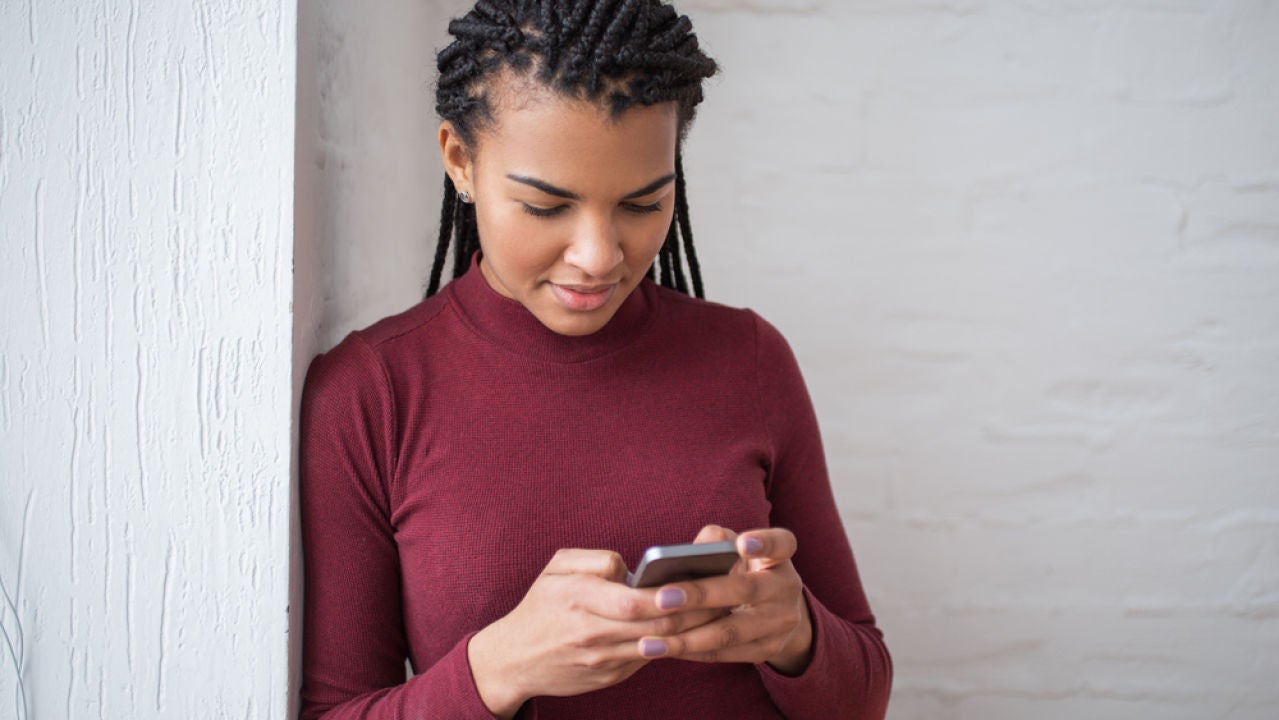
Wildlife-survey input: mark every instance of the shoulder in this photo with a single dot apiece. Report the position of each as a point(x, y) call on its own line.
point(722, 326)
point(359, 364)
point(385, 335)
point(386, 338)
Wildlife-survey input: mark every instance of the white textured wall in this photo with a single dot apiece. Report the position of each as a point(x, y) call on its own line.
point(1028, 254)
point(145, 246)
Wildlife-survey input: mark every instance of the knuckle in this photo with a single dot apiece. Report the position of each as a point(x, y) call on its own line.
point(668, 625)
point(696, 594)
point(728, 635)
point(596, 661)
point(629, 607)
point(573, 602)
point(583, 639)
point(615, 563)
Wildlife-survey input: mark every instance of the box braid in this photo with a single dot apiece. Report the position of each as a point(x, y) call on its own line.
point(620, 53)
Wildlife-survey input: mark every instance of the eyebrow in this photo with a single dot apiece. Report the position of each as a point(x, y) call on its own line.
point(550, 189)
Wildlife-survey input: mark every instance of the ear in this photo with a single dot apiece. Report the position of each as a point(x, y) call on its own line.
point(456, 157)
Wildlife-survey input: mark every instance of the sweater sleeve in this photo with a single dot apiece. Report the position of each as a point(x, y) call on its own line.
point(850, 668)
point(354, 642)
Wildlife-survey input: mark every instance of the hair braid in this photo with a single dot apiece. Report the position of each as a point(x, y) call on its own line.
point(620, 53)
point(664, 258)
point(681, 284)
point(614, 33)
point(468, 238)
point(549, 43)
point(585, 58)
point(446, 233)
point(686, 227)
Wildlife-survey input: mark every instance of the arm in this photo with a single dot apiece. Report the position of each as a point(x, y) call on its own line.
point(850, 667)
point(354, 644)
point(575, 630)
point(794, 606)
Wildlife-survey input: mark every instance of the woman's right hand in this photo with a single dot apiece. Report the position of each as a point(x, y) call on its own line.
point(576, 630)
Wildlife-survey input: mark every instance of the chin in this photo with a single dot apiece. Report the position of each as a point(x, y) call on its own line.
point(575, 328)
point(576, 325)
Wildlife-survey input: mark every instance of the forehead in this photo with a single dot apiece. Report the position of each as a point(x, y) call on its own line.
point(577, 144)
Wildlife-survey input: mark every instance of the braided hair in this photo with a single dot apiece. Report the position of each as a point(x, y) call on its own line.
point(619, 53)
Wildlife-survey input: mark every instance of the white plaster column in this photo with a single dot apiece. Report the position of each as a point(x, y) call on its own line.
point(146, 155)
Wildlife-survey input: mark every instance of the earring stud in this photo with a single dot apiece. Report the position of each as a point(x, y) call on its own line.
point(464, 196)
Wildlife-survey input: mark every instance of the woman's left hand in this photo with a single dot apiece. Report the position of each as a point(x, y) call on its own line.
point(766, 618)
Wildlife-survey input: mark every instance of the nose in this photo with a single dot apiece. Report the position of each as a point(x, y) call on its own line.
point(596, 246)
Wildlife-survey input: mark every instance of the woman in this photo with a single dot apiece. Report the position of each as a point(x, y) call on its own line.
point(479, 471)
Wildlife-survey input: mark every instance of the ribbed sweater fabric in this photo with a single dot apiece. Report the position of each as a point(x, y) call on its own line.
point(447, 452)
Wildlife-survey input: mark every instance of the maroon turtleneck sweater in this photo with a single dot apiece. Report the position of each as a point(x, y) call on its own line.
point(449, 451)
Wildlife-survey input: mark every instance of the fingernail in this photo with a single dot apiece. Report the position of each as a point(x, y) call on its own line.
point(651, 648)
point(753, 546)
point(671, 598)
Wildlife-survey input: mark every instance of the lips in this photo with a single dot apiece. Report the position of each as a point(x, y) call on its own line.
point(583, 298)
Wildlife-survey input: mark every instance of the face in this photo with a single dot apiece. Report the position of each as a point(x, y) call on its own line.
point(571, 205)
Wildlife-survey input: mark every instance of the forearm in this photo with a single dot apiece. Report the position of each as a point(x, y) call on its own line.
point(495, 680)
point(446, 688)
point(850, 669)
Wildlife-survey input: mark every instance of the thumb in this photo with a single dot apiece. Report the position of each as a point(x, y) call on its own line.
point(714, 533)
point(603, 563)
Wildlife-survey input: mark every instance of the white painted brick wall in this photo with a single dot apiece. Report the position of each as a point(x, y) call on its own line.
point(1028, 254)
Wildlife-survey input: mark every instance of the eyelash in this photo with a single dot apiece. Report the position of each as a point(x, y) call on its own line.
point(644, 209)
point(552, 212)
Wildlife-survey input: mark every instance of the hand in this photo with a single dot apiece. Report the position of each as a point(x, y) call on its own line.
point(577, 629)
point(768, 620)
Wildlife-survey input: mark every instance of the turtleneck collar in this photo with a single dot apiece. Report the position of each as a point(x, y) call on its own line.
point(509, 324)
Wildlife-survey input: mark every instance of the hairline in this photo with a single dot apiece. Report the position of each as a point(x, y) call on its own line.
point(526, 85)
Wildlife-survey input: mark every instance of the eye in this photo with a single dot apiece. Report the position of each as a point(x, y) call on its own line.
point(643, 209)
point(541, 211)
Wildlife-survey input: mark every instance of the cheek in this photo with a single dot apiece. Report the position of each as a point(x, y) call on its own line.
point(650, 233)
point(513, 237)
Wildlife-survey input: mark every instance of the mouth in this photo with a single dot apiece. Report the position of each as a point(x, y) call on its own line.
point(583, 298)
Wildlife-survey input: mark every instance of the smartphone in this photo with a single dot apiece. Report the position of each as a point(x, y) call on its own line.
point(663, 564)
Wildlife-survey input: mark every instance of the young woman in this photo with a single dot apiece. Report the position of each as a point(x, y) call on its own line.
point(479, 471)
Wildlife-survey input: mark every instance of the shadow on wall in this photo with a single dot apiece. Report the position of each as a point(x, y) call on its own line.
point(367, 182)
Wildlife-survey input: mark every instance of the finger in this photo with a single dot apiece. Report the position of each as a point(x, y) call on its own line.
point(723, 591)
point(753, 652)
point(675, 624)
point(730, 639)
point(612, 601)
point(606, 632)
point(601, 563)
point(768, 547)
point(627, 632)
point(667, 626)
point(714, 533)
